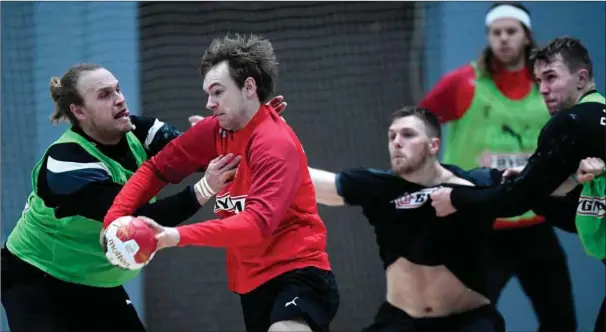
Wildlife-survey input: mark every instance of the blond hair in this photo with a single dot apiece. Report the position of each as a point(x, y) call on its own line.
point(64, 93)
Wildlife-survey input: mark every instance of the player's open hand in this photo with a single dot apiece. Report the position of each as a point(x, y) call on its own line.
point(194, 119)
point(441, 202)
point(589, 168)
point(166, 236)
point(218, 174)
point(277, 103)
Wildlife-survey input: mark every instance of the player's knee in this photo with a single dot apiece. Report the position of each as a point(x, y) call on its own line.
point(290, 326)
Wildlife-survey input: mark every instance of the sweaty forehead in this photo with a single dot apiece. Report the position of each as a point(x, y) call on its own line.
point(217, 74)
point(92, 81)
point(407, 122)
point(555, 65)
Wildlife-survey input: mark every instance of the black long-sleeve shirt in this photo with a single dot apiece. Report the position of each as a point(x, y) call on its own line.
point(72, 182)
point(569, 137)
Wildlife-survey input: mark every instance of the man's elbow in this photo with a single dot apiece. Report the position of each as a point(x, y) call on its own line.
point(264, 224)
point(160, 171)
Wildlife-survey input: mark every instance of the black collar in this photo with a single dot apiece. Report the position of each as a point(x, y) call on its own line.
point(588, 93)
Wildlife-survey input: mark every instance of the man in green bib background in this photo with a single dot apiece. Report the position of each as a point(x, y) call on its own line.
point(494, 113)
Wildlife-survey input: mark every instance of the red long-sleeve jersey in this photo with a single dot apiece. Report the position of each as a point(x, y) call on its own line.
point(269, 221)
point(452, 97)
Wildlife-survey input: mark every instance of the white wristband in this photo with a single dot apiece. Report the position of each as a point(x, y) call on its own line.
point(204, 189)
point(201, 190)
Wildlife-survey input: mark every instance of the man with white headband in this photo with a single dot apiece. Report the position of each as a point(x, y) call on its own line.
point(496, 112)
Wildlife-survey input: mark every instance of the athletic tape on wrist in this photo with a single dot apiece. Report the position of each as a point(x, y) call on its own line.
point(199, 189)
point(208, 188)
point(507, 11)
point(204, 189)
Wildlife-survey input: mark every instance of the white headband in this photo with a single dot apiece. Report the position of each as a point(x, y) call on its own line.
point(507, 11)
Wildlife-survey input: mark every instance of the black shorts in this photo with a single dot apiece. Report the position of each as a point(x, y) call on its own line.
point(36, 301)
point(392, 319)
point(307, 294)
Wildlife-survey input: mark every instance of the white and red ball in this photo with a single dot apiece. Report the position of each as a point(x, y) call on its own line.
point(130, 243)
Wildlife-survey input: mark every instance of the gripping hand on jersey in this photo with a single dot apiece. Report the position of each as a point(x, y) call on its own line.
point(219, 172)
point(589, 168)
point(440, 200)
point(277, 103)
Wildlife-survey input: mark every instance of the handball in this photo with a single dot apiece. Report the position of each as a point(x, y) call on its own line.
point(130, 243)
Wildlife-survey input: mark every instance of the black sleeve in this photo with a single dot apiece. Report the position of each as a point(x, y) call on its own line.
point(94, 200)
point(358, 185)
point(560, 149)
point(560, 211)
point(153, 133)
point(75, 183)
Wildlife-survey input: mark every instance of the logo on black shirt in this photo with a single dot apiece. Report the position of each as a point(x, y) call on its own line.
point(414, 200)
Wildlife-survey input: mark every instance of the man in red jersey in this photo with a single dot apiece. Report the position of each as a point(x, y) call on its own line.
point(268, 218)
point(495, 114)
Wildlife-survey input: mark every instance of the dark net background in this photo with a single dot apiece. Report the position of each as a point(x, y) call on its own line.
point(344, 67)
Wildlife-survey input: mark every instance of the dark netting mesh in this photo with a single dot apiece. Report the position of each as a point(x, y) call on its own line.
point(344, 67)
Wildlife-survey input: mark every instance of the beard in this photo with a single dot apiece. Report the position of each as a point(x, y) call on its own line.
point(412, 164)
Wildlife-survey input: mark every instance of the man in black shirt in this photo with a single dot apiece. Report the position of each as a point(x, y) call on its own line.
point(434, 268)
point(576, 131)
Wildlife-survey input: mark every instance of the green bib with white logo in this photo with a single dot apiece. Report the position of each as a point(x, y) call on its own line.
point(496, 131)
point(590, 219)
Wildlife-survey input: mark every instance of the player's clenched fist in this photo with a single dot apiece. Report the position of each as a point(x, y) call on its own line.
point(441, 202)
point(589, 168)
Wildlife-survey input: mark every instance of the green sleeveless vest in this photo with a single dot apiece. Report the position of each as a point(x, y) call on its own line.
point(68, 248)
point(496, 131)
point(590, 219)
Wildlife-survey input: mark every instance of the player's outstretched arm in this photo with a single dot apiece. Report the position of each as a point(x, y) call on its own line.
point(558, 155)
point(77, 184)
point(154, 134)
point(178, 159)
point(325, 184)
point(560, 211)
point(567, 186)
